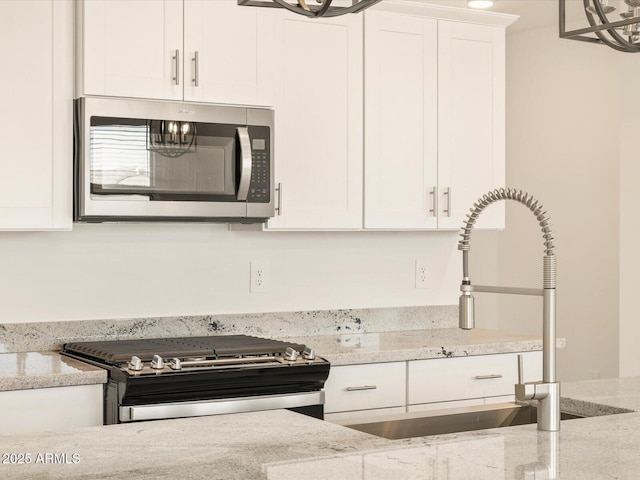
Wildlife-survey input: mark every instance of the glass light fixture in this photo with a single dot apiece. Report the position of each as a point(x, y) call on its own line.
point(480, 3)
point(322, 8)
point(604, 28)
point(606, 8)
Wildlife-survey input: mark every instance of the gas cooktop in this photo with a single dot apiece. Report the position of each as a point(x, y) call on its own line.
point(117, 351)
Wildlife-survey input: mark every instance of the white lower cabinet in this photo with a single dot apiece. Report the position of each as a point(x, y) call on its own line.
point(51, 409)
point(366, 387)
point(461, 378)
point(376, 389)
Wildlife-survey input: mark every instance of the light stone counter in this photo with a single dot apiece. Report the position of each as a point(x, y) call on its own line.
point(22, 371)
point(601, 397)
point(416, 345)
point(281, 444)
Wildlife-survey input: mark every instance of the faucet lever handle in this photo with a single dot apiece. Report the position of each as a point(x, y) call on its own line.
point(520, 368)
point(524, 391)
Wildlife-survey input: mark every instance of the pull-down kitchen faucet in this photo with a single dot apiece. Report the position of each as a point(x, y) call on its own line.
point(546, 392)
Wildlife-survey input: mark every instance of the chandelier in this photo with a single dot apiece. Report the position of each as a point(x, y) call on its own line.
point(171, 138)
point(322, 8)
point(605, 26)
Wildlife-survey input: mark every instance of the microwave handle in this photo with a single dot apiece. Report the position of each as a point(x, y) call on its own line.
point(245, 163)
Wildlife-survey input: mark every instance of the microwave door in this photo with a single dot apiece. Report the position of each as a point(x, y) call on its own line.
point(130, 176)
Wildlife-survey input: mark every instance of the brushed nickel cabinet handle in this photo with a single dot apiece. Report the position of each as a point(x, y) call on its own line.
point(363, 387)
point(434, 202)
point(176, 57)
point(195, 69)
point(447, 210)
point(487, 377)
point(279, 207)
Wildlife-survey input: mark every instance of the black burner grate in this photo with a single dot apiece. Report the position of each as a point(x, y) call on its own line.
point(117, 351)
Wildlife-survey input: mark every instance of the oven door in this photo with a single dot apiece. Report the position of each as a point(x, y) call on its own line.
point(140, 160)
point(309, 403)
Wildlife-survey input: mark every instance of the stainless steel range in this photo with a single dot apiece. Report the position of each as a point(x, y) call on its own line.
point(193, 376)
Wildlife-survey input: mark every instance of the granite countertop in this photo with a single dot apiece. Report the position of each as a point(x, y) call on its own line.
point(22, 371)
point(416, 345)
point(281, 444)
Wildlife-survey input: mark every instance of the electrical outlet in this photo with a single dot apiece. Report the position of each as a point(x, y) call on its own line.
point(593, 374)
point(259, 276)
point(421, 274)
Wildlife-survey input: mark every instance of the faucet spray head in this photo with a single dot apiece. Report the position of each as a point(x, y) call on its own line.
point(466, 311)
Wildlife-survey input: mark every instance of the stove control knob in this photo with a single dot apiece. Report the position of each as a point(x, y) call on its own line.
point(291, 354)
point(157, 362)
point(176, 364)
point(135, 364)
point(309, 353)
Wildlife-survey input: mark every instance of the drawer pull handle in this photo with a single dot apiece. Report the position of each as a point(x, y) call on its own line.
point(363, 387)
point(487, 377)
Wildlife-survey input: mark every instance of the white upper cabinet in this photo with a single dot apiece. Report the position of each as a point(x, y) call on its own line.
point(131, 48)
point(434, 116)
point(225, 53)
point(36, 45)
point(318, 121)
point(471, 111)
point(401, 121)
point(194, 50)
point(390, 119)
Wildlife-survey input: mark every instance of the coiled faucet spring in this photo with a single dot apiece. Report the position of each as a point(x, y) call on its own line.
point(508, 194)
point(549, 259)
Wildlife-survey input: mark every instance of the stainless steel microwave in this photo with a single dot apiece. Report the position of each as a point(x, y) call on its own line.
point(139, 160)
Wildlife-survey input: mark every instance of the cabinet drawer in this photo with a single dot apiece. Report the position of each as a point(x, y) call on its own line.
point(461, 378)
point(361, 387)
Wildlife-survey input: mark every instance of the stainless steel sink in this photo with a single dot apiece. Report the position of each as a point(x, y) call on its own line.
point(420, 424)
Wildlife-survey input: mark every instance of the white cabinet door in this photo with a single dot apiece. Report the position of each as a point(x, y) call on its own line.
point(36, 47)
point(367, 386)
point(401, 133)
point(51, 409)
point(471, 125)
point(229, 45)
point(434, 116)
point(132, 48)
point(318, 121)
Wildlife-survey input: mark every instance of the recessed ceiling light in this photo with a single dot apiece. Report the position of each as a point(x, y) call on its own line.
point(480, 3)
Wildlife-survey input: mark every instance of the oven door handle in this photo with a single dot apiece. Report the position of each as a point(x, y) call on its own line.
point(219, 407)
point(245, 163)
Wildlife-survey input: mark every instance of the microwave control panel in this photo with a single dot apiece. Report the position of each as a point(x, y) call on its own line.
point(260, 186)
